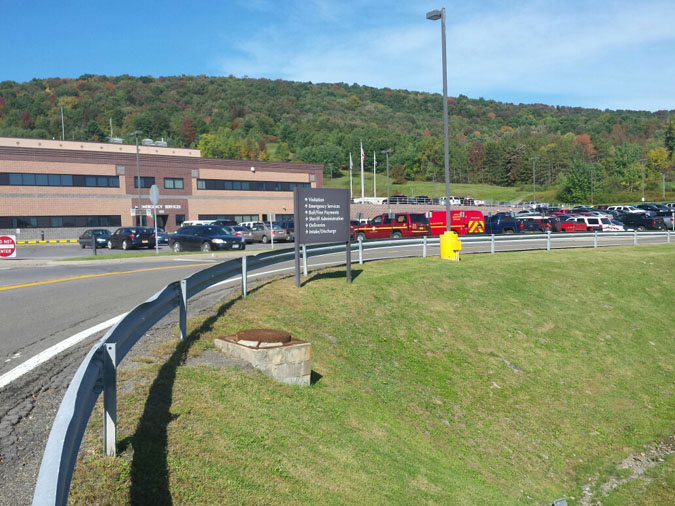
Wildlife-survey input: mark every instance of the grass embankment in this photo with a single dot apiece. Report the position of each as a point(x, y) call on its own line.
point(489, 193)
point(502, 379)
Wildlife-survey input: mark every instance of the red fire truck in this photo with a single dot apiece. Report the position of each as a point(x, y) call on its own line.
point(462, 222)
point(394, 226)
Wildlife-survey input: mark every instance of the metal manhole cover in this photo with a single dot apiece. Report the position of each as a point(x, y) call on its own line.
point(264, 335)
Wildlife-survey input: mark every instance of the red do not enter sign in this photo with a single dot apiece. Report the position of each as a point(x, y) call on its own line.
point(7, 246)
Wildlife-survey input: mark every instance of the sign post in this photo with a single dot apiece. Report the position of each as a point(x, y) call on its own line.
point(321, 216)
point(7, 246)
point(154, 198)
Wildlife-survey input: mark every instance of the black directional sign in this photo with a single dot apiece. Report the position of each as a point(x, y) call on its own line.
point(321, 215)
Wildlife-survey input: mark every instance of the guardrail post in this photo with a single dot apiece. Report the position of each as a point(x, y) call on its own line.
point(360, 251)
point(634, 237)
point(492, 243)
point(244, 280)
point(548, 240)
point(424, 247)
point(110, 400)
point(182, 308)
point(668, 232)
point(595, 239)
point(304, 259)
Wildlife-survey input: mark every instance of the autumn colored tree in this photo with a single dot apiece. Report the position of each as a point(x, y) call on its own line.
point(187, 131)
point(584, 141)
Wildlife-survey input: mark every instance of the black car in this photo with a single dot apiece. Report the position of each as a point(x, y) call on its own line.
point(101, 235)
point(641, 221)
point(132, 237)
point(204, 238)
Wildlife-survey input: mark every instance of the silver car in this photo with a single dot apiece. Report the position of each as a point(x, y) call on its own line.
point(261, 233)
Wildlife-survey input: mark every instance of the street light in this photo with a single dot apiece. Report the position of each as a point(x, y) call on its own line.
point(136, 133)
point(534, 190)
point(435, 15)
point(387, 152)
point(642, 162)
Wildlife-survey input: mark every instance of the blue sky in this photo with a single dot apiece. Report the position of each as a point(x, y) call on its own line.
point(603, 54)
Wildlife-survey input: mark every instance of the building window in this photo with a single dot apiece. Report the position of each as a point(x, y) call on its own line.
point(26, 179)
point(180, 218)
point(146, 182)
point(173, 183)
point(59, 221)
point(226, 184)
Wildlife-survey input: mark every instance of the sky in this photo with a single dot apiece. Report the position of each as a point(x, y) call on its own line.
point(610, 54)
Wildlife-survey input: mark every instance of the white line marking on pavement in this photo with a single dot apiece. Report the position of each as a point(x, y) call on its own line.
point(49, 353)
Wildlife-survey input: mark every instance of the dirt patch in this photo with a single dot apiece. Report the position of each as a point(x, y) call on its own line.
point(638, 464)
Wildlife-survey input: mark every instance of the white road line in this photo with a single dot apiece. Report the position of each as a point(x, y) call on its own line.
point(194, 260)
point(49, 353)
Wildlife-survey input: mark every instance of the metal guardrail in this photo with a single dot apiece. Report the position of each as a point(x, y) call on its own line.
point(97, 373)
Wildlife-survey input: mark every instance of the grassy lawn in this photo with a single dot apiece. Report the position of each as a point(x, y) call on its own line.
point(503, 379)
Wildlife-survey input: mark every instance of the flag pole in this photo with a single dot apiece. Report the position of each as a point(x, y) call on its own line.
point(374, 176)
point(363, 196)
point(351, 167)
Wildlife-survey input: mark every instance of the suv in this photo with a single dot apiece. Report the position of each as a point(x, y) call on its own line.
point(394, 226)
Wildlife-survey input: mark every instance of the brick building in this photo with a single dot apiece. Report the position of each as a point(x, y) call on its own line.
point(52, 189)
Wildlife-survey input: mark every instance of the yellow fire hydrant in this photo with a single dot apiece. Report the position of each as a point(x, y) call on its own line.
point(450, 245)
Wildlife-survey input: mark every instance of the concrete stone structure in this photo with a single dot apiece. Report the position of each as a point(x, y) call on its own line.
point(289, 363)
point(51, 189)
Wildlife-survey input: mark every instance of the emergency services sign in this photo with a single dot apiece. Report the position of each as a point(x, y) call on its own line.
point(321, 215)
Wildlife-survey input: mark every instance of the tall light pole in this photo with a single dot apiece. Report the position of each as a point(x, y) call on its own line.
point(136, 133)
point(387, 152)
point(435, 15)
point(642, 163)
point(534, 185)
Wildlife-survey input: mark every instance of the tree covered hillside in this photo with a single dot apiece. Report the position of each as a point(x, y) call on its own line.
point(228, 117)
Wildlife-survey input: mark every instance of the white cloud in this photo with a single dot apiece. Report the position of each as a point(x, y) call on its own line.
point(592, 54)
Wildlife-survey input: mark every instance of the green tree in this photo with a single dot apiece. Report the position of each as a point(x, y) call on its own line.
point(577, 187)
point(669, 140)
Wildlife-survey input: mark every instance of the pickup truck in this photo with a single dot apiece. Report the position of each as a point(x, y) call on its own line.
point(394, 226)
point(507, 223)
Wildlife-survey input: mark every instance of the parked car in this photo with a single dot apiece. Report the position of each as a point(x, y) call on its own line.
point(616, 226)
point(204, 238)
point(592, 223)
point(224, 223)
point(454, 201)
point(640, 221)
point(132, 237)
point(397, 199)
point(289, 227)
point(162, 236)
point(240, 231)
point(261, 233)
point(625, 209)
point(421, 199)
point(570, 224)
point(508, 223)
point(101, 235)
point(668, 218)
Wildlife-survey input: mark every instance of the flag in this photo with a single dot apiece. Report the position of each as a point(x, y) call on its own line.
point(363, 155)
point(351, 164)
